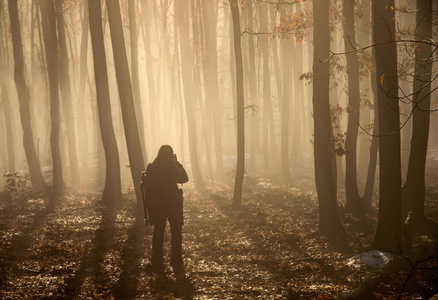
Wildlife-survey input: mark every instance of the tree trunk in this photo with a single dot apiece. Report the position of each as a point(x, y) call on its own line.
point(251, 78)
point(388, 234)
point(237, 196)
point(153, 100)
point(268, 116)
point(66, 95)
point(5, 105)
point(286, 49)
point(298, 96)
point(83, 73)
point(186, 62)
point(329, 222)
point(126, 97)
point(134, 73)
point(415, 186)
point(51, 46)
point(211, 80)
point(112, 192)
point(354, 201)
point(33, 163)
point(374, 148)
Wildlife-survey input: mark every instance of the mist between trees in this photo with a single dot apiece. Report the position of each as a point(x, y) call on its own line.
point(270, 90)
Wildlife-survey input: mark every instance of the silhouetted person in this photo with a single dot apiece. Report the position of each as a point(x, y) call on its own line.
point(166, 203)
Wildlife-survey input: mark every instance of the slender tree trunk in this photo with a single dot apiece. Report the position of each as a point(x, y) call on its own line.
point(186, 62)
point(354, 201)
point(298, 103)
point(415, 186)
point(112, 191)
point(276, 59)
point(8, 123)
point(126, 97)
point(5, 104)
point(329, 222)
point(33, 163)
point(388, 234)
point(251, 78)
point(51, 46)
point(211, 80)
point(268, 116)
point(286, 49)
point(237, 196)
point(153, 99)
point(66, 95)
point(133, 33)
point(83, 73)
point(372, 163)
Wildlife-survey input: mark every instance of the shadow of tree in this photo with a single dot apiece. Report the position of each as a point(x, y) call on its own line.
point(133, 251)
point(162, 285)
point(92, 264)
point(21, 242)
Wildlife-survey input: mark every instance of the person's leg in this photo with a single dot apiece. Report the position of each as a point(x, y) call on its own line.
point(157, 243)
point(175, 221)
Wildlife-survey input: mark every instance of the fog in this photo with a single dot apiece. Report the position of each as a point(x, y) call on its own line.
point(182, 77)
point(161, 99)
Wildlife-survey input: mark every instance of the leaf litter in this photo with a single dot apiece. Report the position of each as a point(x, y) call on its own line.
point(269, 249)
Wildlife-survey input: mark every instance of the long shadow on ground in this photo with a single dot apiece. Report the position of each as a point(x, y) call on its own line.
point(21, 242)
point(92, 263)
point(135, 246)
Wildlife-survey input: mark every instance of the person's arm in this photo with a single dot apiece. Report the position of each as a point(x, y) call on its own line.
point(180, 174)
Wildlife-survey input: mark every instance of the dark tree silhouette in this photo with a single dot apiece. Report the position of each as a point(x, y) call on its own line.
point(33, 163)
point(388, 235)
point(133, 36)
point(238, 182)
point(415, 186)
point(112, 192)
point(51, 46)
point(126, 97)
point(325, 169)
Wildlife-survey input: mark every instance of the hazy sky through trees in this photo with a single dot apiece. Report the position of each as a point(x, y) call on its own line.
point(182, 84)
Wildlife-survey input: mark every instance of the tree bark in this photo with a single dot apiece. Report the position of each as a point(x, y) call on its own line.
point(354, 201)
point(415, 186)
point(329, 222)
point(5, 105)
point(251, 81)
point(286, 49)
point(374, 147)
point(112, 192)
point(51, 46)
point(64, 80)
point(268, 115)
point(33, 163)
point(388, 234)
point(83, 73)
point(238, 182)
point(133, 34)
point(126, 97)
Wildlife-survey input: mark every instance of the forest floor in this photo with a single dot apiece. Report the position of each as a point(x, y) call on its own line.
point(270, 249)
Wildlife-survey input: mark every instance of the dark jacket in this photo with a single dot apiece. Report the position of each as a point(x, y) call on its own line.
point(163, 193)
